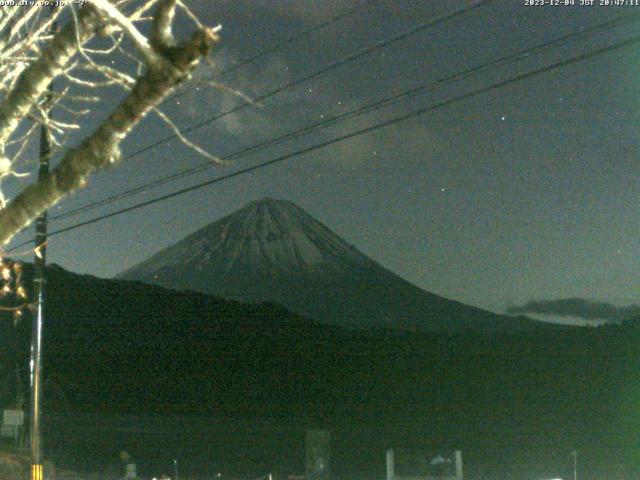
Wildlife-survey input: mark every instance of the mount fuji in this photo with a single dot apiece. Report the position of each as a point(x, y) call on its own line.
point(273, 251)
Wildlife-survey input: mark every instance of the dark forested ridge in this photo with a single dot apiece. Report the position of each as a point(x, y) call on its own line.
point(124, 347)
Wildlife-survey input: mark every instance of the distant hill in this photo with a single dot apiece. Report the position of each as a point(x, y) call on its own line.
point(580, 308)
point(114, 346)
point(145, 344)
point(272, 250)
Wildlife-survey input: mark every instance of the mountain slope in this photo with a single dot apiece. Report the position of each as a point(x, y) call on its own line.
point(117, 347)
point(272, 250)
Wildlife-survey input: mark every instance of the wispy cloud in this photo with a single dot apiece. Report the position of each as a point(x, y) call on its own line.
point(212, 95)
point(578, 307)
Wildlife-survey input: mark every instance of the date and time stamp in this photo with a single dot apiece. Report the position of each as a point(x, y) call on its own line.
point(581, 3)
point(40, 3)
point(527, 3)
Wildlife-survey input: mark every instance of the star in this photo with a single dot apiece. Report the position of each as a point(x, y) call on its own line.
point(503, 118)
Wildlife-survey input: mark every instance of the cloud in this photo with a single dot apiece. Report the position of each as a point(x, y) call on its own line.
point(211, 95)
point(578, 307)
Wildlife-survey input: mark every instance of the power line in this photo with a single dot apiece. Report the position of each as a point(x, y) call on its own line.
point(433, 22)
point(295, 37)
point(377, 46)
point(377, 126)
point(277, 46)
point(517, 56)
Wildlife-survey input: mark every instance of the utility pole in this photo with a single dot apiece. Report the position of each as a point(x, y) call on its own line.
point(575, 464)
point(39, 282)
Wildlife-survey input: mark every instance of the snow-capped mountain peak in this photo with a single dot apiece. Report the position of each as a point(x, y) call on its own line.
point(272, 250)
point(265, 235)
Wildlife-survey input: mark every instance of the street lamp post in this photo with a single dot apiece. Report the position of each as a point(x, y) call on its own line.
point(37, 321)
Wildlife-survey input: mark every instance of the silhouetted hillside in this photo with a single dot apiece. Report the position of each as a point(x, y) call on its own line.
point(124, 347)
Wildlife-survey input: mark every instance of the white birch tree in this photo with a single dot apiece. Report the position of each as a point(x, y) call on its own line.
point(99, 45)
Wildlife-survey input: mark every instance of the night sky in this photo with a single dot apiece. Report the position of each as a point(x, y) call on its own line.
point(527, 192)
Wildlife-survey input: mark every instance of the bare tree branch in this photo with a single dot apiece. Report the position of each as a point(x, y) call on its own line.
point(140, 41)
point(35, 79)
point(102, 148)
point(161, 34)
